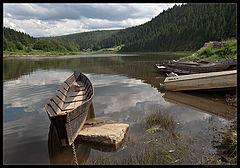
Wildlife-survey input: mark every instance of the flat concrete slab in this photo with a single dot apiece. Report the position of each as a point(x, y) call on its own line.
point(103, 132)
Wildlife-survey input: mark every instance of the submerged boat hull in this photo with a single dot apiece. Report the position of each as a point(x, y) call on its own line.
point(202, 81)
point(73, 98)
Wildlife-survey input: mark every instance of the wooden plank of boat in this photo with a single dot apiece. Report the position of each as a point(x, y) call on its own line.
point(200, 68)
point(211, 80)
point(72, 97)
point(193, 68)
point(202, 103)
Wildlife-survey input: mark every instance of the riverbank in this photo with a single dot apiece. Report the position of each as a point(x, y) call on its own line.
point(183, 53)
point(41, 53)
point(214, 51)
point(21, 53)
point(113, 50)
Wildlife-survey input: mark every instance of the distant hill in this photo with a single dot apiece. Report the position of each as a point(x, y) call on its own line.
point(87, 39)
point(184, 27)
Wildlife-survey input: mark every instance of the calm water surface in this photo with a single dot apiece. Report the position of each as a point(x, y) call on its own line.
point(126, 90)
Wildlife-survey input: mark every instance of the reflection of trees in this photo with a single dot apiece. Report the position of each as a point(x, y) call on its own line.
point(139, 67)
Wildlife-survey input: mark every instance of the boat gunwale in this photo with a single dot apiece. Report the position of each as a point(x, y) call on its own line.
point(196, 77)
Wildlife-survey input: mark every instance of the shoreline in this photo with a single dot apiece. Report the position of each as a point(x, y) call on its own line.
point(99, 53)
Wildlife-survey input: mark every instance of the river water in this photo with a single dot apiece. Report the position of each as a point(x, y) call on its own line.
point(126, 90)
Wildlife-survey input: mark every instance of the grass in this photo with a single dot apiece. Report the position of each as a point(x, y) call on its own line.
point(147, 155)
point(52, 53)
point(158, 120)
point(116, 49)
point(228, 51)
point(181, 53)
point(227, 148)
point(229, 142)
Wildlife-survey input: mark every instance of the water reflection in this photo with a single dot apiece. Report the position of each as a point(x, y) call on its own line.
point(138, 67)
point(126, 90)
point(59, 154)
point(202, 101)
point(64, 154)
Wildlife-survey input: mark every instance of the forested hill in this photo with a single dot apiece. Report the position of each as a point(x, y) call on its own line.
point(184, 27)
point(15, 40)
point(86, 39)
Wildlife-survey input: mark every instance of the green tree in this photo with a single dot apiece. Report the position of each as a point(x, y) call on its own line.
point(19, 45)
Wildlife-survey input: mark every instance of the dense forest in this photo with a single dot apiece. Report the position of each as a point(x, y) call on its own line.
point(87, 39)
point(184, 27)
point(181, 28)
point(15, 40)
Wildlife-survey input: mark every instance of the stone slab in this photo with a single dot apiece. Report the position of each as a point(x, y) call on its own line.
point(103, 132)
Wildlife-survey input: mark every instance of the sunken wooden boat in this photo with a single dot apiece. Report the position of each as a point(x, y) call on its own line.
point(202, 81)
point(195, 67)
point(72, 98)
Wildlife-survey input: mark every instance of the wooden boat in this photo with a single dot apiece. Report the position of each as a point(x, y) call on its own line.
point(193, 68)
point(210, 80)
point(203, 102)
point(72, 98)
point(59, 154)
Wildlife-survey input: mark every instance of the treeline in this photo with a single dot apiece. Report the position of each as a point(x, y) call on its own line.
point(86, 40)
point(181, 28)
point(16, 40)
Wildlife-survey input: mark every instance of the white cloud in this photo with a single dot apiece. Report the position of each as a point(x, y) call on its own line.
point(44, 19)
point(29, 90)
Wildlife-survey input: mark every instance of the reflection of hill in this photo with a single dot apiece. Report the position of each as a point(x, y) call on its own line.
point(139, 67)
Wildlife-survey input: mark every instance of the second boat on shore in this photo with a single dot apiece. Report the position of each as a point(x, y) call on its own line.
point(202, 81)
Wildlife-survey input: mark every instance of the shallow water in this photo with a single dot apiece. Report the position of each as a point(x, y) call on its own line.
point(126, 90)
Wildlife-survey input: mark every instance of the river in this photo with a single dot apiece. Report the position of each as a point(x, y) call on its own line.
point(127, 90)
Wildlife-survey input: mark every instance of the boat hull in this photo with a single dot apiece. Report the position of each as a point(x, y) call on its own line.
point(194, 68)
point(202, 81)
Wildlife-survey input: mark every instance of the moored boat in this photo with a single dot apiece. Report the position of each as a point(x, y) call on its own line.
point(194, 67)
point(68, 107)
point(210, 80)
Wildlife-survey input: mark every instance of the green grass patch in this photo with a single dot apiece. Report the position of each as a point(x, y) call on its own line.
point(229, 142)
point(228, 51)
point(181, 53)
point(52, 53)
point(158, 121)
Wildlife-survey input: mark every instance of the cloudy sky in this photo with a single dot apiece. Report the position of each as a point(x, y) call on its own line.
point(52, 19)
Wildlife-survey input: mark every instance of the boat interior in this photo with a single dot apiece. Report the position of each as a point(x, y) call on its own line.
point(70, 94)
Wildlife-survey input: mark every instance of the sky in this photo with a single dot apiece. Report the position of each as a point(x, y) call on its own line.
point(54, 19)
